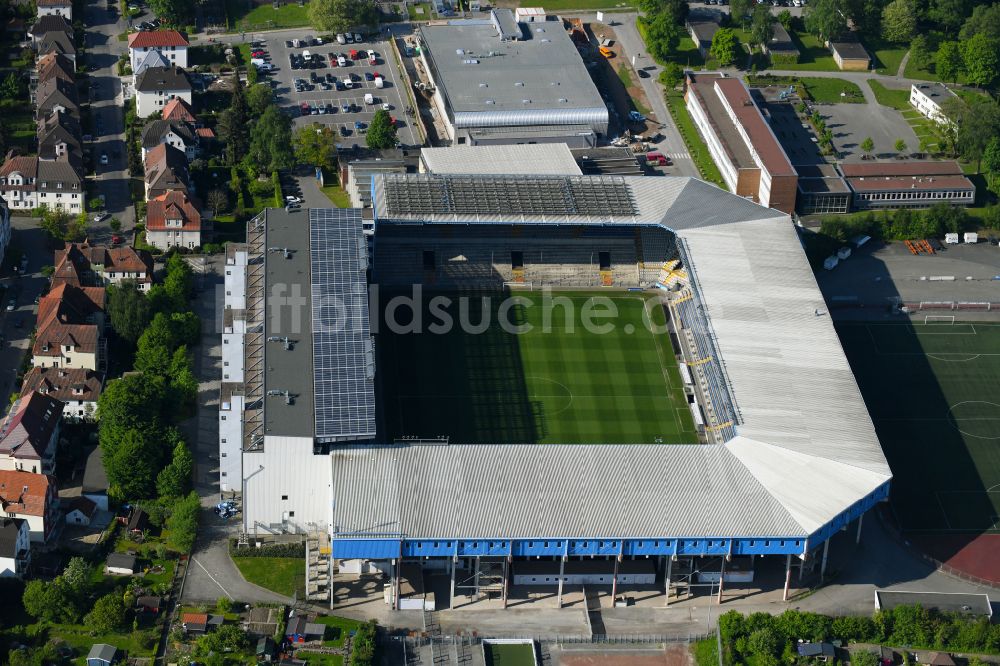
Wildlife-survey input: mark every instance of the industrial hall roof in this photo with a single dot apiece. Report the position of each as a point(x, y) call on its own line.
point(804, 452)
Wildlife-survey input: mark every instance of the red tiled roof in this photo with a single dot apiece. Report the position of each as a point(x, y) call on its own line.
point(24, 493)
point(178, 109)
point(194, 618)
point(128, 259)
point(174, 205)
point(205, 132)
point(62, 383)
point(156, 38)
point(901, 168)
point(82, 337)
point(893, 183)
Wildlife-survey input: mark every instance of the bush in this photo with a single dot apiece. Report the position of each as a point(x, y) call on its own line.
point(269, 550)
point(784, 59)
point(363, 647)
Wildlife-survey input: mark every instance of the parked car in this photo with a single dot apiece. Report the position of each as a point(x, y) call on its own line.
point(357, 38)
point(341, 39)
point(305, 109)
point(369, 76)
point(116, 240)
point(386, 106)
point(104, 158)
point(100, 217)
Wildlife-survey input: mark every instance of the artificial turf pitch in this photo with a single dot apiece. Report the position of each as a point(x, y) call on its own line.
point(933, 391)
point(554, 384)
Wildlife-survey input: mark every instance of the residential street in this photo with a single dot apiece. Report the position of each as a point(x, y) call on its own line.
point(103, 50)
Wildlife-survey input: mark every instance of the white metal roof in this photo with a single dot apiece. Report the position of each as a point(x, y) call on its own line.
point(535, 158)
point(804, 451)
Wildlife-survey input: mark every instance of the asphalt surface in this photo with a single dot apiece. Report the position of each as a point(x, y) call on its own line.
point(108, 121)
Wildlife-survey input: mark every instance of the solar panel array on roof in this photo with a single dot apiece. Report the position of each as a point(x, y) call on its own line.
point(344, 359)
point(509, 195)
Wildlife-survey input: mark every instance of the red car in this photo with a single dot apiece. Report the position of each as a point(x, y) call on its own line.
point(116, 240)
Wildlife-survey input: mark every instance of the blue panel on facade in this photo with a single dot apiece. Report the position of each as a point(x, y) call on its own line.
point(371, 549)
point(538, 547)
point(649, 547)
point(849, 515)
point(428, 548)
point(594, 547)
point(484, 547)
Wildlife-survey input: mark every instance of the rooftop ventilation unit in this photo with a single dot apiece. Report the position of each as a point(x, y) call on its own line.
point(460, 52)
point(483, 85)
point(519, 84)
point(470, 61)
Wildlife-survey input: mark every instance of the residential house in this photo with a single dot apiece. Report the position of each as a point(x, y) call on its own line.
point(929, 98)
point(177, 133)
point(77, 388)
point(70, 328)
point(102, 654)
point(29, 434)
point(59, 138)
point(156, 86)
point(56, 7)
point(95, 479)
point(150, 59)
point(57, 41)
point(120, 564)
point(178, 109)
point(31, 497)
point(936, 659)
point(170, 44)
point(780, 47)
point(166, 169)
point(49, 23)
point(82, 264)
point(30, 182)
point(266, 650)
point(702, 24)
point(173, 219)
point(822, 651)
point(850, 55)
point(200, 623)
point(15, 547)
point(148, 604)
point(51, 66)
point(80, 511)
point(56, 94)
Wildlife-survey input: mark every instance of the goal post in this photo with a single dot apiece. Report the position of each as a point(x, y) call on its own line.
point(947, 320)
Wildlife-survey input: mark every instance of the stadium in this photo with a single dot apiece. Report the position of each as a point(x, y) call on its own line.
point(718, 420)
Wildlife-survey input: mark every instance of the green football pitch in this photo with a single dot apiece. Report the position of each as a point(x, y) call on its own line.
point(557, 383)
point(933, 391)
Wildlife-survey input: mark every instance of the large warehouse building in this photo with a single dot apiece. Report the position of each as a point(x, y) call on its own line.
point(785, 454)
point(500, 81)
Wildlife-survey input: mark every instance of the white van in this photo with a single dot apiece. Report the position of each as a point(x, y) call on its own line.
point(379, 83)
point(369, 98)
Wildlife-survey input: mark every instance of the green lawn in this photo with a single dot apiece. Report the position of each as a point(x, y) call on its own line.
point(695, 144)
point(557, 382)
point(813, 56)
point(583, 5)
point(284, 575)
point(261, 17)
point(625, 76)
point(425, 15)
point(895, 99)
point(706, 652)
point(933, 391)
point(337, 196)
point(887, 56)
point(911, 71)
point(338, 629)
point(320, 659)
point(505, 654)
point(832, 91)
point(81, 638)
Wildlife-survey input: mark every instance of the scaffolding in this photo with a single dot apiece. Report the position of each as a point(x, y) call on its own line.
point(253, 415)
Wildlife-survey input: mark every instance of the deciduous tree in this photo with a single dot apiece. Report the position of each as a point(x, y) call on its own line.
point(899, 21)
point(108, 614)
point(174, 480)
point(271, 141)
point(981, 56)
point(342, 15)
point(985, 20)
point(948, 61)
point(725, 47)
point(128, 310)
point(867, 146)
point(381, 132)
point(315, 145)
point(761, 25)
point(826, 18)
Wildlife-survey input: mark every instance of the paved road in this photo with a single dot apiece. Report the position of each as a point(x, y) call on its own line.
point(103, 51)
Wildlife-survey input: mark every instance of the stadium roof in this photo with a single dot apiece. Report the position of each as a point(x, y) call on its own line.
point(537, 80)
point(804, 451)
point(551, 159)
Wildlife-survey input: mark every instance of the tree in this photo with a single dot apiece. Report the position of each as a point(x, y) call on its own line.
point(342, 15)
point(175, 12)
point(672, 75)
point(921, 52)
point(978, 123)
point(252, 75)
point(949, 14)
point(785, 19)
point(925, 144)
point(182, 525)
point(259, 97)
point(382, 131)
point(899, 21)
point(218, 200)
point(725, 46)
point(900, 146)
point(271, 141)
point(108, 614)
point(54, 222)
point(78, 577)
point(174, 480)
point(740, 9)
point(826, 18)
point(867, 146)
point(761, 28)
point(233, 127)
point(179, 282)
point(12, 87)
point(981, 56)
point(132, 466)
point(51, 601)
point(663, 34)
point(315, 145)
point(991, 161)
point(128, 310)
point(864, 658)
point(985, 20)
point(948, 61)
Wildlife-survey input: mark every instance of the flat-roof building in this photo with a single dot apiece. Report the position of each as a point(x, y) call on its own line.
point(907, 184)
point(702, 24)
point(928, 98)
point(497, 81)
point(752, 162)
point(780, 47)
point(850, 54)
point(822, 189)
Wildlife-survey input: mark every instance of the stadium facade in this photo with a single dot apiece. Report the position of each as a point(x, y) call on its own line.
point(787, 453)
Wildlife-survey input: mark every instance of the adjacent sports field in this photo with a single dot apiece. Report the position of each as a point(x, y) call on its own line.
point(557, 383)
point(933, 391)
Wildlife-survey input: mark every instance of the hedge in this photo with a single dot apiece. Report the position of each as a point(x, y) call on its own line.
point(269, 550)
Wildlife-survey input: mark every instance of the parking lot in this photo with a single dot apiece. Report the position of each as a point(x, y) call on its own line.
point(329, 102)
